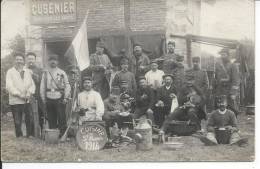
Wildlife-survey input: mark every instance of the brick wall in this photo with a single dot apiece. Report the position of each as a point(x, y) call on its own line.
point(104, 15)
point(147, 15)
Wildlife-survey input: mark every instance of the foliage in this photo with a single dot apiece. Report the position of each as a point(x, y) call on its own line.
point(16, 45)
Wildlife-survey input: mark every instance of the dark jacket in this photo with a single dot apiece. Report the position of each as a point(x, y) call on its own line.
point(164, 95)
point(145, 98)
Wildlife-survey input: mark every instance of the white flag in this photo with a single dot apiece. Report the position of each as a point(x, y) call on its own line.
point(79, 47)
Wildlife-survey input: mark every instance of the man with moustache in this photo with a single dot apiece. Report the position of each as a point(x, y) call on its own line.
point(36, 76)
point(191, 100)
point(169, 58)
point(21, 88)
point(224, 119)
point(227, 80)
point(200, 75)
point(144, 100)
point(89, 102)
point(140, 61)
point(55, 92)
point(125, 75)
point(101, 68)
point(165, 94)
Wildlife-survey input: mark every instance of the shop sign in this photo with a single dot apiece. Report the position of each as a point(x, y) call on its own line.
point(52, 11)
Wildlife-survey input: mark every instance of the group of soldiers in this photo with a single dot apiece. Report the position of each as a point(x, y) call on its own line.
point(138, 90)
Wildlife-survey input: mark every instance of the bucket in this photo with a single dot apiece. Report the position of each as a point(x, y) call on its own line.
point(223, 135)
point(143, 135)
point(51, 136)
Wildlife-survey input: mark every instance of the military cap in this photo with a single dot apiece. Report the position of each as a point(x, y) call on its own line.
point(53, 57)
point(168, 75)
point(196, 58)
point(18, 54)
point(172, 43)
point(100, 44)
point(224, 50)
point(154, 61)
point(122, 52)
point(115, 90)
point(87, 78)
point(124, 60)
point(221, 98)
point(137, 46)
point(179, 57)
point(141, 78)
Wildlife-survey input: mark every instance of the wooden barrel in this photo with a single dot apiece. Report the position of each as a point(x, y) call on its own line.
point(91, 136)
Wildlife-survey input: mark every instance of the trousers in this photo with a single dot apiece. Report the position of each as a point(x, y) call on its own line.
point(182, 115)
point(17, 111)
point(56, 114)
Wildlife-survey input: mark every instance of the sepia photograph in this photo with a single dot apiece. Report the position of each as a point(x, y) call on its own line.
point(117, 81)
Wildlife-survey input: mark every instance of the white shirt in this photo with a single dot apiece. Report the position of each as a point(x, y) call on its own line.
point(91, 100)
point(154, 78)
point(16, 86)
point(222, 112)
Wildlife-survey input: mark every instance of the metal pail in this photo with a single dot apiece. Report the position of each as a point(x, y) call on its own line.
point(51, 136)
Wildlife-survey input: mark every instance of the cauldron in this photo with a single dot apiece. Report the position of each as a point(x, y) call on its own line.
point(222, 135)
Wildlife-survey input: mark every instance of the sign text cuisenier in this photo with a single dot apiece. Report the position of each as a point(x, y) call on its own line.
point(52, 11)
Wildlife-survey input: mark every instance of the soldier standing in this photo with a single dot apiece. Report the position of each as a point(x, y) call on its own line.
point(55, 92)
point(140, 62)
point(227, 80)
point(169, 58)
point(36, 76)
point(125, 75)
point(101, 68)
point(200, 76)
point(179, 72)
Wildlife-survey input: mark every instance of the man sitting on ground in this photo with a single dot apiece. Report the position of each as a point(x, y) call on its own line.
point(224, 119)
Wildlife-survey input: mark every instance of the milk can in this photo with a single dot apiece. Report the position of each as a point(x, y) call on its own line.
point(143, 135)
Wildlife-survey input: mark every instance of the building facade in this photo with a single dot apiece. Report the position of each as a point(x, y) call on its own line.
point(53, 24)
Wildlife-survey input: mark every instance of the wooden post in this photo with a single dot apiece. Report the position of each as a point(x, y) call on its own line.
point(188, 46)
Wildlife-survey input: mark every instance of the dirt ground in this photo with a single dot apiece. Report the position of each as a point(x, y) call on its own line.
point(35, 150)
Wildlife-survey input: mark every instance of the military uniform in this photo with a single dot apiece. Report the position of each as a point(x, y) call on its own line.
point(168, 63)
point(145, 100)
point(100, 65)
point(227, 82)
point(144, 61)
point(37, 76)
point(129, 77)
point(165, 95)
point(201, 78)
point(54, 88)
point(194, 113)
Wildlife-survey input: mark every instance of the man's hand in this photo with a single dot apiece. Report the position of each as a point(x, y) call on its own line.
point(65, 101)
point(159, 103)
point(144, 96)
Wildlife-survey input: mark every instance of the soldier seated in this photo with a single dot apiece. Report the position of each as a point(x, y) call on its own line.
point(223, 120)
point(89, 103)
point(191, 101)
